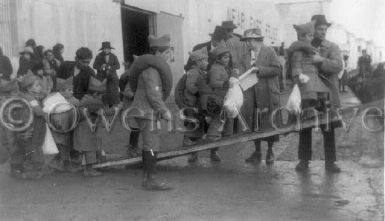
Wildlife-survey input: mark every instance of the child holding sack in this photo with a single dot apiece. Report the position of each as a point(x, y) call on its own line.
point(85, 135)
point(26, 159)
point(63, 123)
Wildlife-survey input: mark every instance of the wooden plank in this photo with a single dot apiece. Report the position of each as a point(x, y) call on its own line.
point(238, 138)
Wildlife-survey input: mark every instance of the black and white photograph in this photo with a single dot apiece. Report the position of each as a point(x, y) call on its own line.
point(196, 110)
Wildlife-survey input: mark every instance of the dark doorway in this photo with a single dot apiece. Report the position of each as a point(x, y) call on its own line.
point(136, 26)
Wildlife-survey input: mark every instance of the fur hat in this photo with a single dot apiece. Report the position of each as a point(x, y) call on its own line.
point(163, 41)
point(304, 28)
point(62, 84)
point(198, 54)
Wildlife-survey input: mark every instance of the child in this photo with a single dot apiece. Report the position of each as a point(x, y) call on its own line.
point(194, 77)
point(85, 139)
point(45, 80)
point(303, 71)
point(63, 122)
point(28, 143)
point(219, 75)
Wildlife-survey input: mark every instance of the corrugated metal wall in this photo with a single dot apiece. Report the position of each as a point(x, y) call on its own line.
point(8, 27)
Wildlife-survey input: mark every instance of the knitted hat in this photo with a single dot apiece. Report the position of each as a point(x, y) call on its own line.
point(304, 28)
point(62, 84)
point(198, 54)
point(163, 41)
point(220, 49)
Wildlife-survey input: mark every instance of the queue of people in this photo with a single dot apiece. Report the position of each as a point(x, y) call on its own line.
point(212, 68)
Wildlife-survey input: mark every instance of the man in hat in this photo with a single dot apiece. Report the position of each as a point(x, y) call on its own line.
point(329, 63)
point(263, 98)
point(237, 48)
point(106, 64)
point(151, 84)
point(217, 38)
point(79, 70)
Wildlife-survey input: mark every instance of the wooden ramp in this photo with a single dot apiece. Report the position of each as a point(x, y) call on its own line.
point(205, 145)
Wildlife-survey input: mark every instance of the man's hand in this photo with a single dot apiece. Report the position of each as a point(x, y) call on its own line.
point(317, 58)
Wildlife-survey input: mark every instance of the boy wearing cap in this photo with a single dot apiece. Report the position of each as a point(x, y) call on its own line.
point(85, 134)
point(63, 122)
point(28, 143)
point(152, 84)
point(194, 78)
point(106, 64)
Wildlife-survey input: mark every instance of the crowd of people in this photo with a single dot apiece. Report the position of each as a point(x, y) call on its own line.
point(212, 68)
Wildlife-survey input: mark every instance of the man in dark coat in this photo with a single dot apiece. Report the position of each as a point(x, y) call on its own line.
point(217, 38)
point(329, 63)
point(5, 66)
point(364, 64)
point(79, 70)
point(106, 64)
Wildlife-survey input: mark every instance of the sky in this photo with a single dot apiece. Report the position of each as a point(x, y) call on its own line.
point(364, 18)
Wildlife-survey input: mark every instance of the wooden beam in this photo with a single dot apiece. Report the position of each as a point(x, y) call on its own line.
point(205, 145)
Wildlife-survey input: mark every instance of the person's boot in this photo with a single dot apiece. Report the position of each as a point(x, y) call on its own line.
point(150, 182)
point(302, 166)
point(332, 167)
point(214, 156)
point(193, 158)
point(270, 156)
point(91, 172)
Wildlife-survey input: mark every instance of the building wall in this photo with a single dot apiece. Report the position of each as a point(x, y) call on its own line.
point(71, 22)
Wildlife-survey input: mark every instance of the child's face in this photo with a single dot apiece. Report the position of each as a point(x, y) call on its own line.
point(35, 88)
point(225, 59)
point(40, 72)
point(202, 64)
point(50, 56)
point(308, 37)
point(67, 93)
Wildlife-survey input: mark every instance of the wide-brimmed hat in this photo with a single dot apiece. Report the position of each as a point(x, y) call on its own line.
point(63, 84)
point(253, 33)
point(162, 41)
point(7, 86)
point(220, 49)
point(94, 85)
point(199, 54)
point(228, 25)
point(27, 80)
point(106, 44)
point(320, 20)
point(304, 28)
point(219, 33)
point(27, 49)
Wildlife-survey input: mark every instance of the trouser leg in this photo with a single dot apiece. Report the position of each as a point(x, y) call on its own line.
point(305, 143)
point(329, 145)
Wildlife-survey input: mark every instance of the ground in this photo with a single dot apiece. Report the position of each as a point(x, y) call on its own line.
point(230, 190)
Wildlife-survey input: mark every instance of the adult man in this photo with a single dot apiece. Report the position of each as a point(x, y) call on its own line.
point(263, 97)
point(234, 44)
point(106, 64)
point(79, 70)
point(151, 84)
point(364, 64)
point(217, 38)
point(329, 63)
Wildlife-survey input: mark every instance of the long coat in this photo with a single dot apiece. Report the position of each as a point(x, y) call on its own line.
point(264, 94)
point(330, 68)
point(112, 95)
